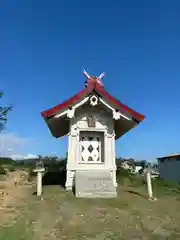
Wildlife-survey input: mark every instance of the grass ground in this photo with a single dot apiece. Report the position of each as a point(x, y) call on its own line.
point(62, 216)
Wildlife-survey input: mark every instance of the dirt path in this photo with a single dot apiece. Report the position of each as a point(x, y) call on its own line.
point(12, 195)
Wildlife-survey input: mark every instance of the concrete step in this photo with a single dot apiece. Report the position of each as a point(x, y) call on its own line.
point(94, 184)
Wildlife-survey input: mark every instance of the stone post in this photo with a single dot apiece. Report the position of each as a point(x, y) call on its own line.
point(39, 183)
point(114, 178)
point(39, 172)
point(149, 184)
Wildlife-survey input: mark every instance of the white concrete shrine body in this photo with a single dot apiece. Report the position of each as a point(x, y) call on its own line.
point(91, 148)
point(93, 119)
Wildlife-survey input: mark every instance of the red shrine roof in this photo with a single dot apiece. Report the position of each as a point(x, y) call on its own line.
point(92, 86)
point(60, 127)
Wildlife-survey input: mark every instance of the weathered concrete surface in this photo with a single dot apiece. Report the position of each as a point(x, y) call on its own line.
point(94, 184)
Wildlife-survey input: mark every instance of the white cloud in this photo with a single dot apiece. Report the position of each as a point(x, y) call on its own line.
point(17, 157)
point(21, 157)
point(10, 143)
point(31, 156)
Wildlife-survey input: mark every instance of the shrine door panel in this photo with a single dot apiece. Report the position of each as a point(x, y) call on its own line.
point(91, 147)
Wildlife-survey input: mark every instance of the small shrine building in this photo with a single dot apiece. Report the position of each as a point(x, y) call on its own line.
point(93, 119)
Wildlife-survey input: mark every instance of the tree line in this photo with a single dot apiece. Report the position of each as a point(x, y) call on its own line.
point(54, 160)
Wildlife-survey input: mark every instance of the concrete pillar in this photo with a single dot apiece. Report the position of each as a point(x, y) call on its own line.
point(39, 172)
point(39, 184)
point(69, 180)
point(114, 178)
point(149, 185)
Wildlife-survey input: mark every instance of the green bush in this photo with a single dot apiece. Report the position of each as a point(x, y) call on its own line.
point(2, 171)
point(11, 169)
point(6, 161)
point(123, 173)
point(136, 181)
point(125, 177)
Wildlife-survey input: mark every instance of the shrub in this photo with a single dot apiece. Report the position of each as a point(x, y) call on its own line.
point(123, 173)
point(2, 171)
point(125, 177)
point(7, 161)
point(11, 169)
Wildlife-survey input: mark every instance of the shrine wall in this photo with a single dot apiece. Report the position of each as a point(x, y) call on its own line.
point(103, 123)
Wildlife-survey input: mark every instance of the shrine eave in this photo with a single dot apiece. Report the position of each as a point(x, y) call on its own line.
point(47, 114)
point(58, 118)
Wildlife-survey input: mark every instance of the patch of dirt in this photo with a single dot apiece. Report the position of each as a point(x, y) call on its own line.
point(12, 195)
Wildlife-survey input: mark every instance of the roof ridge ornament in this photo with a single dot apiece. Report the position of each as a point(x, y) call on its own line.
point(86, 74)
point(93, 78)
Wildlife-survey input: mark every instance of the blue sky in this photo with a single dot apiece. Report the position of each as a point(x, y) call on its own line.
point(44, 46)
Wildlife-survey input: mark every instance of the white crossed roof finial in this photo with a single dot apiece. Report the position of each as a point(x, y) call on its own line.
point(101, 76)
point(86, 74)
point(98, 79)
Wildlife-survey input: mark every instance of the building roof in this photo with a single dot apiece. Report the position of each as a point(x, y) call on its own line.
point(92, 86)
point(170, 156)
point(60, 127)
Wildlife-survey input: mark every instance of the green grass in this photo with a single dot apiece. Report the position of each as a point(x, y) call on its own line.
point(129, 216)
point(19, 230)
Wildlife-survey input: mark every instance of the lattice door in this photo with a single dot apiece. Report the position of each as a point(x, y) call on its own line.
point(90, 149)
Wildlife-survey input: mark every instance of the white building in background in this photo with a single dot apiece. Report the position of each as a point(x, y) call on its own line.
point(129, 165)
point(169, 167)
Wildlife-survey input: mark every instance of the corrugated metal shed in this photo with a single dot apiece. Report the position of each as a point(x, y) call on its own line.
point(169, 167)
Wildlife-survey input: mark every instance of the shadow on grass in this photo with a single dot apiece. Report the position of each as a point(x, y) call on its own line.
point(54, 178)
point(136, 193)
